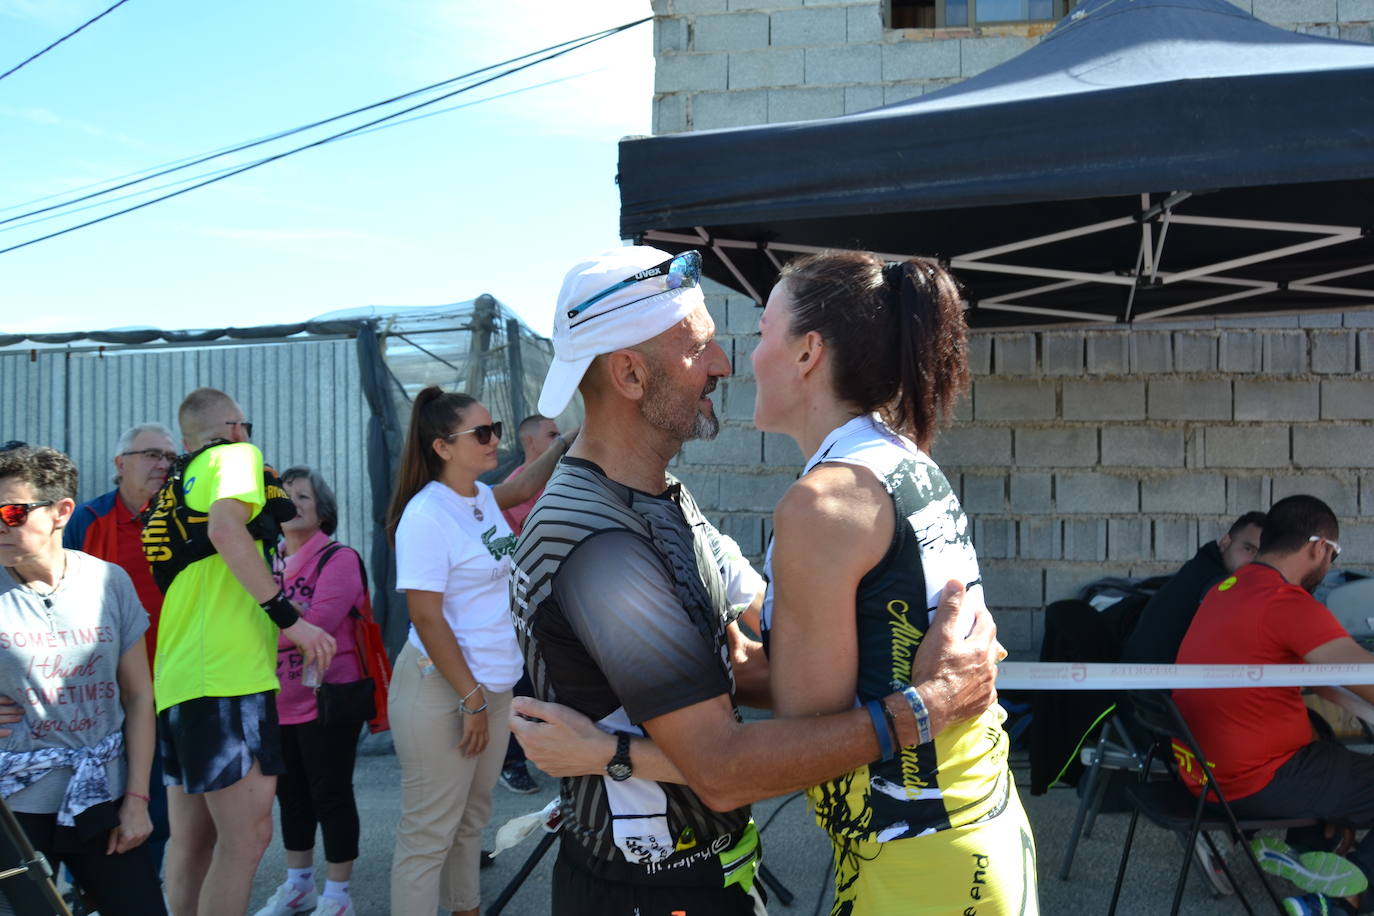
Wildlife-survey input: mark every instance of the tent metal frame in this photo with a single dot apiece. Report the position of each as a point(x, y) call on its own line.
point(1154, 220)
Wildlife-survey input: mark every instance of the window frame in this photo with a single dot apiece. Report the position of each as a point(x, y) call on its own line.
point(1061, 8)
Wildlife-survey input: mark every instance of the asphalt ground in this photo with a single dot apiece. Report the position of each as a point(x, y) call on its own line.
point(797, 852)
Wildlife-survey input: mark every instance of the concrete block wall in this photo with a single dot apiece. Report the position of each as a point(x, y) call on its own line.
point(1100, 451)
point(734, 63)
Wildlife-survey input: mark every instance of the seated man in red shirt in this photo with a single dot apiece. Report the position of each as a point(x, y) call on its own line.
point(1259, 740)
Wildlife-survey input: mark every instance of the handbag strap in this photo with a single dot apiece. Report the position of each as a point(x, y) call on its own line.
point(357, 613)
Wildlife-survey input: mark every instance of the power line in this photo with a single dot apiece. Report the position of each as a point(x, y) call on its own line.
point(174, 166)
point(578, 43)
point(222, 170)
point(59, 41)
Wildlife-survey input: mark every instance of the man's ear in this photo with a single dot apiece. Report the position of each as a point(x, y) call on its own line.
point(1224, 542)
point(628, 372)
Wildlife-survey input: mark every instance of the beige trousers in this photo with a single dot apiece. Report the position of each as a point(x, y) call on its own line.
point(445, 797)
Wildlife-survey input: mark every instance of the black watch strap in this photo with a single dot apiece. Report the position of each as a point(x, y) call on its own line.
point(619, 768)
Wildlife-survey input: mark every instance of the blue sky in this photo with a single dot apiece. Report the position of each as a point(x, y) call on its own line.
point(501, 197)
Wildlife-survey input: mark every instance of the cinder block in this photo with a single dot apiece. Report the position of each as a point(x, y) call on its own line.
point(702, 483)
point(920, 60)
point(1142, 447)
point(862, 98)
point(1085, 539)
point(1151, 351)
point(804, 104)
point(861, 63)
point(1176, 539)
point(980, 354)
point(730, 32)
point(1285, 353)
point(1358, 318)
point(865, 23)
point(747, 530)
point(994, 538)
point(1329, 446)
point(1366, 356)
point(963, 408)
point(1032, 492)
point(1183, 399)
point(1243, 4)
point(1108, 354)
point(1129, 539)
point(998, 399)
point(1277, 400)
point(696, 6)
point(759, 69)
point(1013, 585)
point(1333, 352)
point(984, 494)
point(1195, 351)
point(1322, 320)
point(1075, 447)
point(688, 72)
point(1104, 400)
point(764, 4)
point(1241, 351)
point(809, 27)
point(1040, 538)
point(1063, 353)
point(1320, 29)
point(781, 451)
point(1014, 354)
point(900, 92)
point(1354, 10)
point(735, 445)
point(1246, 494)
point(670, 114)
point(718, 305)
point(1357, 544)
point(1095, 494)
point(1286, 11)
point(979, 54)
point(1246, 447)
point(737, 399)
point(1367, 494)
point(1342, 495)
point(1020, 631)
point(744, 315)
point(715, 110)
point(1347, 400)
point(1187, 493)
point(972, 447)
point(752, 492)
point(670, 34)
point(1362, 32)
point(1063, 582)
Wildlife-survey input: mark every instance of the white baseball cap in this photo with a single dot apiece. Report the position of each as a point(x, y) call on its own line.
point(614, 300)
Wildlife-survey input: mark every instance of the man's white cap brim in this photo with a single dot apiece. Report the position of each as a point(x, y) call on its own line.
point(560, 383)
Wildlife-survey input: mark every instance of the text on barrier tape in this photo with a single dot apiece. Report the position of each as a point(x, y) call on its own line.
point(1112, 676)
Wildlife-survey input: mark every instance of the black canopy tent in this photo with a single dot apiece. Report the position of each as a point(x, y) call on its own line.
point(1147, 159)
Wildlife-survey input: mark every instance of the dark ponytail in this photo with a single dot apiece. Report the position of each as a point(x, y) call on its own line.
point(896, 332)
point(434, 414)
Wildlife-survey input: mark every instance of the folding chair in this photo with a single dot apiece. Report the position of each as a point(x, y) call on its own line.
point(1171, 806)
point(1115, 751)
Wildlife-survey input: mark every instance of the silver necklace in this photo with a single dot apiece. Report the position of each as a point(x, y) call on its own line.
point(45, 596)
point(472, 504)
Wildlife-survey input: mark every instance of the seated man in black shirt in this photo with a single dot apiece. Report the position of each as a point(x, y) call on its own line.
point(1170, 611)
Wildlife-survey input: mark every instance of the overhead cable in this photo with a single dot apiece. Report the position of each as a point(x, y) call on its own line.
point(32, 58)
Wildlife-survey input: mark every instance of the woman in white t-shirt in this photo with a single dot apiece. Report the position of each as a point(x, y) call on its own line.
point(450, 693)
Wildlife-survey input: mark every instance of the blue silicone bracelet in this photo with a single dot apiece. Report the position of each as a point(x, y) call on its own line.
point(875, 712)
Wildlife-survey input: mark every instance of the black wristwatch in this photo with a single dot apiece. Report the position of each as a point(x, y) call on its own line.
point(619, 768)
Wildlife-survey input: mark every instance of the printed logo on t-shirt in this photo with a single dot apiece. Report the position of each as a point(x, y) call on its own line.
point(1226, 584)
point(498, 547)
point(188, 484)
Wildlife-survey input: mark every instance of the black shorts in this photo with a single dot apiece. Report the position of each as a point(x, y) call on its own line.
point(577, 892)
point(210, 743)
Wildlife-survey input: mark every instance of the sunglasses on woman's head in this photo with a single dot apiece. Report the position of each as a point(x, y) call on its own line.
point(16, 514)
point(483, 433)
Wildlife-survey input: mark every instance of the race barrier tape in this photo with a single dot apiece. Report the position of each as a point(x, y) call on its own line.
point(1112, 676)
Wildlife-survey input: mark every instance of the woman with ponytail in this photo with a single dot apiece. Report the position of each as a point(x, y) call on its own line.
point(861, 362)
point(450, 693)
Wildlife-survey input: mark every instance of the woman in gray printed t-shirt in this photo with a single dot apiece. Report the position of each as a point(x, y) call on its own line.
point(75, 770)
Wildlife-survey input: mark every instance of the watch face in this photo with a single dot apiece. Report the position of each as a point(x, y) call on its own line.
point(618, 771)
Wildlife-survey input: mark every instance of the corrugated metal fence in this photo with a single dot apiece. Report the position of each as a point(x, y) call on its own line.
point(303, 397)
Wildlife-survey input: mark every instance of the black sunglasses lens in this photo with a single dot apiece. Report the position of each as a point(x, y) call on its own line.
point(248, 429)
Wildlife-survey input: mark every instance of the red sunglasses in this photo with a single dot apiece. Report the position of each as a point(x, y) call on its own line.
point(16, 514)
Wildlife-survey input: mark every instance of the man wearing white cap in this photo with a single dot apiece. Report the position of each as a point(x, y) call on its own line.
point(623, 616)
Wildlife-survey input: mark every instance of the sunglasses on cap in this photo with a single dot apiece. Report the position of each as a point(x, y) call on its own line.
point(483, 433)
point(16, 514)
point(680, 272)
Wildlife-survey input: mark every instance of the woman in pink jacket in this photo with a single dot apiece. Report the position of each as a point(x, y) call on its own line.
point(324, 580)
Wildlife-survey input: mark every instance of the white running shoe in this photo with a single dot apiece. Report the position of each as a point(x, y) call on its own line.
point(332, 906)
point(288, 900)
point(1211, 868)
